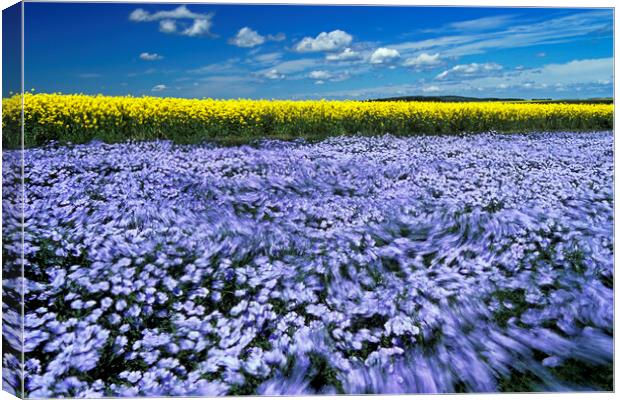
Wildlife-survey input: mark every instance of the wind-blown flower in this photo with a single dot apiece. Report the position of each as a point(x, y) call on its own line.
point(363, 264)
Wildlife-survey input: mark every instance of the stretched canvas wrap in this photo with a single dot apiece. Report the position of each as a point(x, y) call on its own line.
point(230, 199)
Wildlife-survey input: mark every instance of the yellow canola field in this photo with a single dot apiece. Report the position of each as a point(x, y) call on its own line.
point(81, 118)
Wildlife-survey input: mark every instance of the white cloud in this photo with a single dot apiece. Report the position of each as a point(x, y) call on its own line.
point(148, 71)
point(229, 66)
point(435, 43)
point(332, 41)
point(423, 60)
point(291, 69)
point(320, 75)
point(482, 24)
point(200, 27)
point(576, 71)
point(577, 78)
point(150, 56)
point(431, 89)
point(577, 75)
point(277, 37)
point(294, 66)
point(346, 55)
point(374, 92)
point(159, 88)
point(222, 78)
point(384, 55)
point(247, 37)
point(181, 12)
point(167, 26)
point(470, 70)
point(273, 74)
point(562, 29)
point(266, 58)
point(139, 15)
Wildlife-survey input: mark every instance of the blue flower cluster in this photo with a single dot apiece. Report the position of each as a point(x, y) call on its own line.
point(350, 265)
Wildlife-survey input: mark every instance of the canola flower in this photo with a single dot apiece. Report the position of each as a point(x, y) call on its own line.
point(352, 265)
point(81, 118)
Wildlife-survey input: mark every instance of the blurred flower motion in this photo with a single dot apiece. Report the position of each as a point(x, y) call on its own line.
point(352, 265)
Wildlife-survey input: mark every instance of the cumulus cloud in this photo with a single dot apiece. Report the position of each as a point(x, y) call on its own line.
point(272, 74)
point(473, 70)
point(200, 25)
point(159, 88)
point(140, 15)
point(320, 75)
point(332, 41)
point(150, 56)
point(589, 77)
point(247, 37)
point(423, 61)
point(346, 55)
point(592, 75)
point(181, 12)
point(291, 69)
point(384, 55)
point(167, 26)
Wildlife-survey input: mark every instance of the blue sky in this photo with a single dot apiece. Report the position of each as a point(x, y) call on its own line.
point(232, 51)
point(11, 49)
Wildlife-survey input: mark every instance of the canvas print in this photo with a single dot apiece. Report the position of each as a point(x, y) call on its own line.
point(233, 199)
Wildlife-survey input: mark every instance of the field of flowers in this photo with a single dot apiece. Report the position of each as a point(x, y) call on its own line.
point(351, 265)
point(81, 118)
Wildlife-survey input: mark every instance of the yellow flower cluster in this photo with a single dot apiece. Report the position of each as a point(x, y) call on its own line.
point(80, 118)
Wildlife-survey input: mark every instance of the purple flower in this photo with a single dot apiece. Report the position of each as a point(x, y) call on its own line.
point(398, 265)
